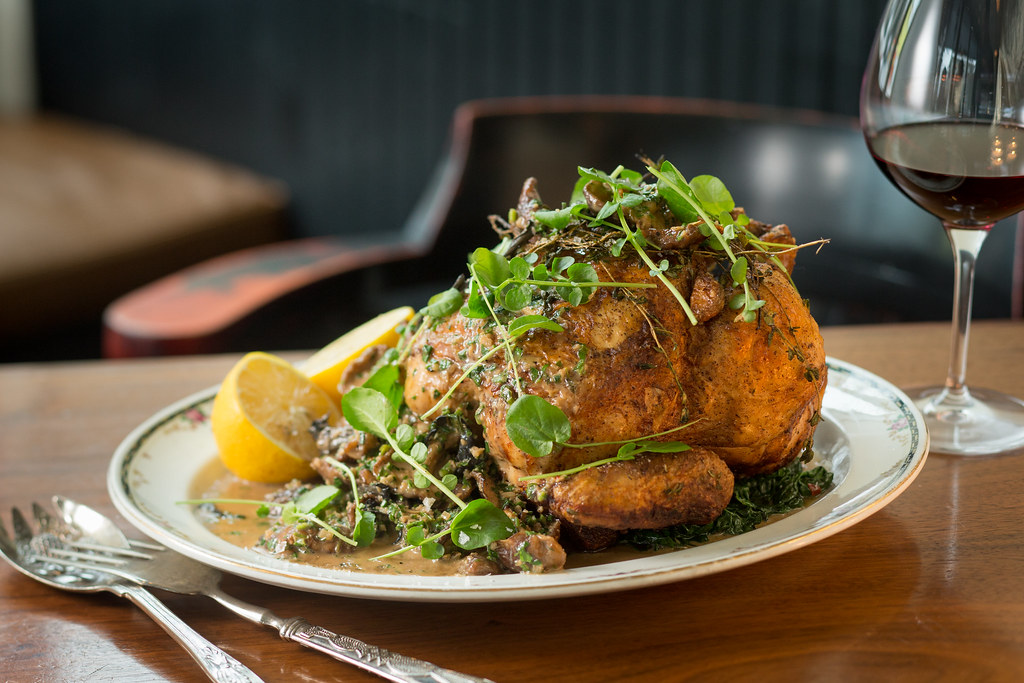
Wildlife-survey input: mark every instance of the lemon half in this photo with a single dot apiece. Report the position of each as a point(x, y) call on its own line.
point(261, 419)
point(326, 365)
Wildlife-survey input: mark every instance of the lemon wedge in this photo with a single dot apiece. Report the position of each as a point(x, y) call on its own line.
point(326, 365)
point(261, 418)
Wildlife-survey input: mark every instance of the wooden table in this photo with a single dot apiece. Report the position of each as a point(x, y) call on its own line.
point(929, 588)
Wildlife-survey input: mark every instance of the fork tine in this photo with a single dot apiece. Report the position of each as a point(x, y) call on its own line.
point(64, 553)
point(147, 546)
point(22, 530)
point(109, 550)
point(6, 545)
point(89, 565)
point(47, 524)
point(77, 518)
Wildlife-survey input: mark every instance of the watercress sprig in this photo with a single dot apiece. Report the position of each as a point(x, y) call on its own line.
point(370, 411)
point(626, 193)
point(364, 530)
point(702, 195)
point(628, 451)
point(506, 334)
point(304, 508)
point(511, 282)
point(515, 329)
point(536, 426)
point(308, 505)
point(656, 270)
point(477, 523)
point(541, 426)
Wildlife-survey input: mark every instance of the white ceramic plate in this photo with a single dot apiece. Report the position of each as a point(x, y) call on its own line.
point(872, 437)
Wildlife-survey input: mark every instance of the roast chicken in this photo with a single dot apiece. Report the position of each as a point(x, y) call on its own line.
point(629, 364)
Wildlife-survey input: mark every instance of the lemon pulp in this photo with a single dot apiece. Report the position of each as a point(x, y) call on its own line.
point(261, 419)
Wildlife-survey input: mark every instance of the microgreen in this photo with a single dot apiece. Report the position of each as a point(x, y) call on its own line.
point(515, 329)
point(713, 196)
point(648, 437)
point(626, 190)
point(635, 240)
point(628, 449)
point(506, 337)
point(619, 457)
point(443, 303)
point(370, 411)
point(524, 323)
point(676, 192)
point(556, 220)
point(308, 505)
point(316, 499)
point(706, 195)
point(387, 379)
point(535, 426)
point(477, 525)
point(492, 269)
point(637, 447)
point(365, 528)
point(478, 302)
point(304, 508)
point(430, 549)
point(512, 282)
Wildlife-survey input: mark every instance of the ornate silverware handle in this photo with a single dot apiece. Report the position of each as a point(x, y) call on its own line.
point(217, 664)
point(389, 665)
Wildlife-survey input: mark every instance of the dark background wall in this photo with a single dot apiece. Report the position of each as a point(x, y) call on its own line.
point(349, 101)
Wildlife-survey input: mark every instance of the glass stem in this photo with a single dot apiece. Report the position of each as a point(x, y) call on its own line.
point(966, 243)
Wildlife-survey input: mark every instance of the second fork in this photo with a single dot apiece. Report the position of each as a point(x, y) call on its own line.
point(171, 571)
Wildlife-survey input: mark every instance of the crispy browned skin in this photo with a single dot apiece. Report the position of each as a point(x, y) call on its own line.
point(629, 364)
point(650, 492)
point(749, 400)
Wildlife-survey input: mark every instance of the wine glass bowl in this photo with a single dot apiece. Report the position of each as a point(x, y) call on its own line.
point(942, 110)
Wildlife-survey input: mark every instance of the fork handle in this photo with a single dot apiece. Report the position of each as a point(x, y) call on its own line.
point(216, 664)
point(377, 660)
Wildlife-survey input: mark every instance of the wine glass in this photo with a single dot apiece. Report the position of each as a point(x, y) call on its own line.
point(942, 110)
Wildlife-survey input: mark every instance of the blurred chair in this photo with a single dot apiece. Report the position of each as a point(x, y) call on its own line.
point(887, 260)
point(88, 213)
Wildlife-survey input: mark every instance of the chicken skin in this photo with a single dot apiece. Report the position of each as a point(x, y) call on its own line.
point(629, 363)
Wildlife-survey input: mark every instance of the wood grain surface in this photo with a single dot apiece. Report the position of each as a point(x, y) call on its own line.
point(930, 588)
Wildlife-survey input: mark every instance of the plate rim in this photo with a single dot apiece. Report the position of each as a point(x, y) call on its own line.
point(490, 589)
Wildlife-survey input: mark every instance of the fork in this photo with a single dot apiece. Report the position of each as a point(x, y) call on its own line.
point(154, 565)
point(23, 553)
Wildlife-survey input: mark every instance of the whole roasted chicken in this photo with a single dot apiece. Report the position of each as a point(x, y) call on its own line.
point(661, 324)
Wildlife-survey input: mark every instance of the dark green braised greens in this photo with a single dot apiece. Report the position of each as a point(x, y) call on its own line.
point(635, 366)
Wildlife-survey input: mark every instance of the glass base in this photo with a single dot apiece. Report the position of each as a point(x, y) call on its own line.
point(975, 422)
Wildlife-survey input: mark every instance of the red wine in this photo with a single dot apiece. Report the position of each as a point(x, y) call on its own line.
point(967, 173)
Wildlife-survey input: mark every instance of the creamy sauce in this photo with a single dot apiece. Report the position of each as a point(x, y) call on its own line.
point(240, 526)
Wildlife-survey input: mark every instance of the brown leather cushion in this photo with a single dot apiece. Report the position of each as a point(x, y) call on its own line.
point(88, 213)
